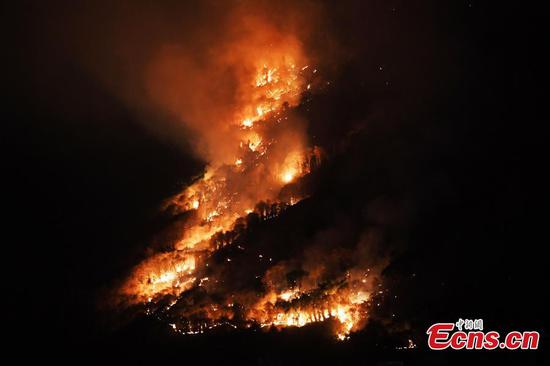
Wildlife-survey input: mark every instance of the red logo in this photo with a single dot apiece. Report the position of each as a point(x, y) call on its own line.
point(443, 335)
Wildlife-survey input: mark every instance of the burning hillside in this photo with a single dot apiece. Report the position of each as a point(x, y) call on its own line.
point(274, 182)
point(257, 152)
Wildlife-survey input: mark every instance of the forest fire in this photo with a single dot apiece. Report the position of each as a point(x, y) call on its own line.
point(274, 182)
point(261, 152)
point(347, 307)
point(345, 303)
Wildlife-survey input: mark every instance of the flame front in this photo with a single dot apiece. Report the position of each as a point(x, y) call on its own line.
point(348, 308)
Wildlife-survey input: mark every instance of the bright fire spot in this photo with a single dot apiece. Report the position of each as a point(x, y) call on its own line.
point(289, 294)
point(287, 177)
point(254, 141)
point(292, 166)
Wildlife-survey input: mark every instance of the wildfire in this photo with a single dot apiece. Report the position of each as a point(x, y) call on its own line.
point(167, 273)
point(274, 86)
point(270, 152)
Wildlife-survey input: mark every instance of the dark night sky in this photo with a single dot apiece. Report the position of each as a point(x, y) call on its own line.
point(449, 129)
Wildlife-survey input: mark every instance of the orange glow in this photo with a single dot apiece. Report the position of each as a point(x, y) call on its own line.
point(287, 176)
point(273, 80)
point(252, 154)
point(340, 305)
